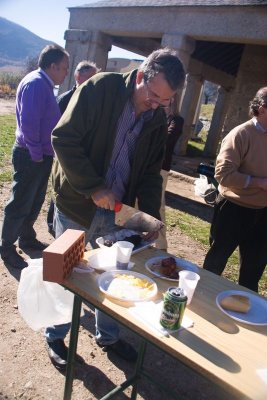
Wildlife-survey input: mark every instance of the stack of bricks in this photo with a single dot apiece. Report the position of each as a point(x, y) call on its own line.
point(62, 255)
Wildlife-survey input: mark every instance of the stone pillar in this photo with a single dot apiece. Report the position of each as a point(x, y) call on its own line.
point(85, 45)
point(188, 110)
point(184, 46)
point(197, 113)
point(217, 121)
point(253, 64)
point(181, 44)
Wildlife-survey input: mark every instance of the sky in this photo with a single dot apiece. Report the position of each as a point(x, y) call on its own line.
point(49, 19)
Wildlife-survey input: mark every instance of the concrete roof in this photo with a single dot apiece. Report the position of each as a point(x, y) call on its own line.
point(173, 3)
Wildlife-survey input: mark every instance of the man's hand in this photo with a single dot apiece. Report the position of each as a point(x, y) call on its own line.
point(104, 198)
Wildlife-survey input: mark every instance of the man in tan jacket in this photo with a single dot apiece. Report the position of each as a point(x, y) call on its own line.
point(240, 213)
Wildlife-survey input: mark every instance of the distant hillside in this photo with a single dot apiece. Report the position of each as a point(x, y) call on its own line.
point(17, 44)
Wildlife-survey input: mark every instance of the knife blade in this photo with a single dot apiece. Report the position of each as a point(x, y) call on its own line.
point(131, 218)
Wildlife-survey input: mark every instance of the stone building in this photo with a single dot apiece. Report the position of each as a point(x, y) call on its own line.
point(224, 42)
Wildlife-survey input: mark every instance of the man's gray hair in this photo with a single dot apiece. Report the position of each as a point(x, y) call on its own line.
point(167, 62)
point(86, 65)
point(260, 99)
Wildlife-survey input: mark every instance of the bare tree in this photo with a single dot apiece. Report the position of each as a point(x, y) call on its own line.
point(31, 64)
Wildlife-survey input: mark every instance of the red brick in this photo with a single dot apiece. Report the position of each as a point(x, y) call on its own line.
point(62, 255)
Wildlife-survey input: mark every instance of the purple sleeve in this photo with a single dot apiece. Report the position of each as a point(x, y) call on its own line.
point(33, 100)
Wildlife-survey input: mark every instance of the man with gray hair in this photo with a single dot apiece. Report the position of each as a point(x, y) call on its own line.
point(110, 145)
point(84, 71)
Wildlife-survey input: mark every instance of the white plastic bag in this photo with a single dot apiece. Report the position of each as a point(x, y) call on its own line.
point(42, 303)
point(202, 185)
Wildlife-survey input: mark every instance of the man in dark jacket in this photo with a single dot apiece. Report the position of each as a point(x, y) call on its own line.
point(175, 129)
point(110, 145)
point(84, 71)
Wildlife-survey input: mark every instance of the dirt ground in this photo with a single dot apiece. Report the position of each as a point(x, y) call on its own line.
point(25, 370)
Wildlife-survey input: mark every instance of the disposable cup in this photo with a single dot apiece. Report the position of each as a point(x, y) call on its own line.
point(188, 281)
point(124, 253)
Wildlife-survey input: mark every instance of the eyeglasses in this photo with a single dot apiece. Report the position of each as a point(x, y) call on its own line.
point(152, 97)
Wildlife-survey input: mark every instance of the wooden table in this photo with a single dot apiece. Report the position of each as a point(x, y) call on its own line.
point(231, 354)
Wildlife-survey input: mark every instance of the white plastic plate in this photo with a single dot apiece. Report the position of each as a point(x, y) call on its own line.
point(257, 315)
point(182, 264)
point(113, 284)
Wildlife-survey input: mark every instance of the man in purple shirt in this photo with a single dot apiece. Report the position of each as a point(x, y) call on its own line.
point(37, 113)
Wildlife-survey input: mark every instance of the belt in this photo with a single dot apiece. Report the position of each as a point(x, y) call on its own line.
point(21, 147)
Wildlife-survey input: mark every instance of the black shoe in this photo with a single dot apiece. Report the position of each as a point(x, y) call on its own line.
point(11, 258)
point(51, 231)
point(58, 353)
point(122, 349)
point(33, 244)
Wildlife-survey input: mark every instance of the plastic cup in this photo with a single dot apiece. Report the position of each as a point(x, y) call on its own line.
point(124, 252)
point(188, 281)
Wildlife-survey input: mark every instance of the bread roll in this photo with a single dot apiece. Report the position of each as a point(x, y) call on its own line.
point(236, 302)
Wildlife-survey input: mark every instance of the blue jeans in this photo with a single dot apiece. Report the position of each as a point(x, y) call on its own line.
point(28, 193)
point(107, 330)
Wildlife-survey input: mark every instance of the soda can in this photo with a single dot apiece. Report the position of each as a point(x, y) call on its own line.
point(174, 303)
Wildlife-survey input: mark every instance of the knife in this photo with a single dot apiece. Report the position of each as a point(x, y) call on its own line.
point(130, 218)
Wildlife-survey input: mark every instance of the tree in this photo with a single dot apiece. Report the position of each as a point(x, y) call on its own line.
point(31, 64)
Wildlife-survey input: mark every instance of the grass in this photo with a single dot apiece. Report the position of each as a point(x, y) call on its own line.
point(198, 230)
point(206, 111)
point(8, 126)
point(195, 148)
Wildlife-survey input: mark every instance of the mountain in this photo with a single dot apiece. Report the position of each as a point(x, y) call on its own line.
point(17, 44)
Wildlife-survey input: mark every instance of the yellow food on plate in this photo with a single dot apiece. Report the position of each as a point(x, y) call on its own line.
point(134, 281)
point(236, 302)
point(130, 287)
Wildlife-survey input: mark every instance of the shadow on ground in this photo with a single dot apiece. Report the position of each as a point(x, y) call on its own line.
point(190, 206)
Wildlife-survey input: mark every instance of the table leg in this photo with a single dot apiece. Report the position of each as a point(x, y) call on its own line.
point(75, 323)
point(138, 368)
point(131, 381)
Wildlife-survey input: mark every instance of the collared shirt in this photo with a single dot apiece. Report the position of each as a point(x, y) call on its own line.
point(128, 130)
point(258, 125)
point(46, 76)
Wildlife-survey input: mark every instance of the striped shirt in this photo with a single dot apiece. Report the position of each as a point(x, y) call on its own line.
point(128, 130)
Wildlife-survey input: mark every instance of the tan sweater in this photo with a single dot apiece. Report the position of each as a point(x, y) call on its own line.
point(243, 153)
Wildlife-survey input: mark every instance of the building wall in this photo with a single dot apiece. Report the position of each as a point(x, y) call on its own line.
point(122, 64)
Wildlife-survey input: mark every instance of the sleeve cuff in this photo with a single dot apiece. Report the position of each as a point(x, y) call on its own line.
point(247, 181)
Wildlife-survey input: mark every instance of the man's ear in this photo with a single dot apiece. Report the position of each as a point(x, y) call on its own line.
point(139, 77)
point(261, 110)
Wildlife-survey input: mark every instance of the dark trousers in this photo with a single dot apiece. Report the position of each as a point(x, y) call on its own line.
point(50, 218)
point(234, 226)
point(28, 193)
